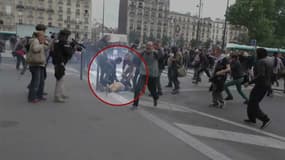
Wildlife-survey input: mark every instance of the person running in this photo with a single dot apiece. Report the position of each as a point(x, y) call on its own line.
point(176, 63)
point(262, 79)
point(203, 67)
point(237, 79)
point(221, 68)
point(151, 59)
point(277, 69)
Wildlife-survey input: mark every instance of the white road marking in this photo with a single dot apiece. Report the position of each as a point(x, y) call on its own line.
point(232, 136)
point(187, 139)
point(186, 109)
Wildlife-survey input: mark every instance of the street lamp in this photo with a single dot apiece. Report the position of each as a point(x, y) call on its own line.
point(199, 21)
point(103, 24)
point(225, 27)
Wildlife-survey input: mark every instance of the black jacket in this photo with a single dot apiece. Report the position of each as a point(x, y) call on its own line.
point(63, 52)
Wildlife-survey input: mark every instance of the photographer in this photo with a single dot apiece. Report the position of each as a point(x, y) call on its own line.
point(63, 51)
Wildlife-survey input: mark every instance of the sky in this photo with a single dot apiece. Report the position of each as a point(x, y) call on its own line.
point(211, 8)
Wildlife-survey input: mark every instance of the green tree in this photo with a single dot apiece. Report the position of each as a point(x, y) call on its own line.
point(263, 19)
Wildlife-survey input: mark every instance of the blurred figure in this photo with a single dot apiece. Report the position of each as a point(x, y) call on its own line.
point(221, 68)
point(151, 59)
point(63, 51)
point(262, 80)
point(20, 54)
point(176, 61)
point(237, 75)
point(161, 65)
point(36, 59)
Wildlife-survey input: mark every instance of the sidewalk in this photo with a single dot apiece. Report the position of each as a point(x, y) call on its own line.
point(83, 128)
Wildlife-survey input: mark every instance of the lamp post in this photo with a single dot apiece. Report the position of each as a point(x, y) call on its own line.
point(103, 25)
point(225, 27)
point(199, 21)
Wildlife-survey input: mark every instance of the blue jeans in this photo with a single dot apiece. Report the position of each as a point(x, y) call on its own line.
point(36, 88)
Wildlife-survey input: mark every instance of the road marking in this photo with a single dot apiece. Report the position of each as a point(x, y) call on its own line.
point(187, 139)
point(186, 109)
point(232, 136)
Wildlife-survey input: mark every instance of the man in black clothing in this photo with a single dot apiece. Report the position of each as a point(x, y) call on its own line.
point(63, 51)
point(237, 78)
point(221, 68)
point(161, 65)
point(203, 67)
point(262, 79)
point(111, 70)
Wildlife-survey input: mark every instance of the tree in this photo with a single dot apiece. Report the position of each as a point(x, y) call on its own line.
point(264, 19)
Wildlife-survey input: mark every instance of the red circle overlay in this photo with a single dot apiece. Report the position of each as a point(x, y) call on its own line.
point(133, 51)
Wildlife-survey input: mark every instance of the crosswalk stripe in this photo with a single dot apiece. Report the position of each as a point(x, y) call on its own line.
point(232, 136)
point(187, 139)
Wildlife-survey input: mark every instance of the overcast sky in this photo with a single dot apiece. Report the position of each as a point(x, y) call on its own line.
point(211, 8)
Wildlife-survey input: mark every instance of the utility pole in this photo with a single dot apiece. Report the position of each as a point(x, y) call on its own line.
point(199, 22)
point(98, 70)
point(103, 18)
point(225, 27)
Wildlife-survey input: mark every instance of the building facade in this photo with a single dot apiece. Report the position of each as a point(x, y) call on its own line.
point(7, 15)
point(74, 15)
point(152, 19)
point(148, 19)
point(233, 33)
point(182, 27)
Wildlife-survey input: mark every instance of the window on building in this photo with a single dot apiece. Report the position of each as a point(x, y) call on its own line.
point(60, 17)
point(69, 2)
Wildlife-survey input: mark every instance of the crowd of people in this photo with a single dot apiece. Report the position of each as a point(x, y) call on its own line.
point(223, 69)
point(35, 52)
point(234, 68)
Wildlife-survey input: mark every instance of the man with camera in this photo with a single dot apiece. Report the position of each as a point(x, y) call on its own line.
point(62, 53)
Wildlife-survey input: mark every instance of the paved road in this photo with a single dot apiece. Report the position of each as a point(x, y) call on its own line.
point(181, 127)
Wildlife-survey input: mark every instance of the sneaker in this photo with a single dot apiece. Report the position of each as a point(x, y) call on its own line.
point(155, 103)
point(221, 105)
point(245, 102)
point(58, 100)
point(249, 121)
point(229, 98)
point(175, 91)
point(265, 124)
